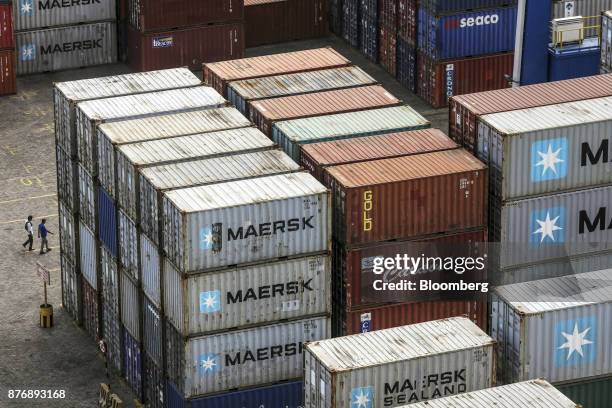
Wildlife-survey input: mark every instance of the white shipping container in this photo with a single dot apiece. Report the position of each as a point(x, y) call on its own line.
point(547, 149)
point(151, 273)
point(130, 306)
point(236, 297)
point(67, 233)
point(32, 14)
point(398, 366)
point(246, 221)
point(89, 255)
point(128, 245)
point(242, 358)
point(156, 180)
point(113, 134)
point(90, 114)
point(557, 328)
point(135, 156)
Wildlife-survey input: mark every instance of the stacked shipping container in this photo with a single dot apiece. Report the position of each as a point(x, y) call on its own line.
point(605, 62)
point(8, 73)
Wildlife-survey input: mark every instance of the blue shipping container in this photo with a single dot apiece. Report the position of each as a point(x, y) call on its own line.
point(450, 6)
point(285, 395)
point(132, 363)
point(107, 221)
point(406, 64)
point(467, 34)
point(574, 60)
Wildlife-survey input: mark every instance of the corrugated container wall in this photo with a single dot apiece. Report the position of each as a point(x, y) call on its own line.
point(91, 313)
point(130, 307)
point(152, 331)
point(7, 38)
point(8, 74)
point(107, 213)
point(225, 361)
point(132, 363)
point(111, 317)
point(222, 224)
point(449, 6)
point(87, 198)
point(34, 14)
point(594, 393)
point(89, 255)
point(68, 47)
point(605, 62)
point(342, 371)
point(72, 296)
point(128, 245)
point(67, 179)
point(154, 383)
point(68, 229)
point(584, 8)
point(151, 261)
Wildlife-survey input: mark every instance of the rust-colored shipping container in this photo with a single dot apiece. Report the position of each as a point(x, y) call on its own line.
point(408, 197)
point(7, 39)
point(91, 312)
point(438, 81)
point(276, 21)
point(185, 47)
point(219, 74)
point(264, 113)
point(8, 75)
point(158, 15)
point(387, 50)
point(466, 109)
point(316, 157)
point(407, 20)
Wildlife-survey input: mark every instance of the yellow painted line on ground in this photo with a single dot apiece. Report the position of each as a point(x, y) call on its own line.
point(22, 220)
point(26, 198)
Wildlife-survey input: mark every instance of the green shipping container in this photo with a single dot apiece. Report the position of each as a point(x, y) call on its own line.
point(596, 393)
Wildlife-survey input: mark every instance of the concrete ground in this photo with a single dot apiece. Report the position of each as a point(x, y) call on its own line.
point(64, 358)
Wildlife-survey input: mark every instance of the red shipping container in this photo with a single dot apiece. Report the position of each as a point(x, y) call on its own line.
point(91, 313)
point(276, 21)
point(408, 197)
point(438, 81)
point(8, 79)
point(219, 74)
point(7, 39)
point(158, 15)
point(264, 113)
point(185, 47)
point(407, 20)
point(466, 109)
point(387, 50)
point(316, 157)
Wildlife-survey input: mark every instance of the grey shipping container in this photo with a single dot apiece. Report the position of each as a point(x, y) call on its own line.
point(90, 114)
point(150, 259)
point(606, 42)
point(87, 198)
point(67, 94)
point(89, 255)
point(547, 149)
point(128, 246)
point(152, 331)
point(398, 366)
point(135, 156)
point(32, 14)
point(130, 307)
point(67, 179)
point(246, 221)
point(67, 231)
point(237, 297)
point(557, 328)
point(111, 316)
point(242, 93)
point(154, 181)
point(242, 358)
point(290, 134)
point(552, 227)
point(72, 298)
point(111, 135)
point(60, 48)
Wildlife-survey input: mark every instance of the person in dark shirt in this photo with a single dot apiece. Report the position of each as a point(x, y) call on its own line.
point(42, 234)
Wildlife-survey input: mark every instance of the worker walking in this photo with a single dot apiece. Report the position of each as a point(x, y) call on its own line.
point(30, 232)
point(42, 234)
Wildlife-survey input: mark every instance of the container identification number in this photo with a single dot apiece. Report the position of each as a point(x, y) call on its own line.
point(37, 394)
point(367, 208)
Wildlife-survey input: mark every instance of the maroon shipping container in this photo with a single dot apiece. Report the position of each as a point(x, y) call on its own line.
point(185, 47)
point(407, 20)
point(219, 74)
point(408, 197)
point(91, 313)
point(316, 157)
point(7, 39)
point(158, 15)
point(8, 79)
point(264, 113)
point(466, 109)
point(438, 81)
point(276, 21)
point(387, 50)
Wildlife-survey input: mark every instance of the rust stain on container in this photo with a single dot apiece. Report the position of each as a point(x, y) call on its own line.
point(408, 197)
point(7, 39)
point(264, 113)
point(8, 75)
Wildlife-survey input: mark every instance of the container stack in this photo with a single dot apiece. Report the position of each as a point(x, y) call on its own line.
point(368, 29)
point(168, 33)
point(53, 36)
point(388, 33)
point(406, 72)
point(605, 62)
point(8, 74)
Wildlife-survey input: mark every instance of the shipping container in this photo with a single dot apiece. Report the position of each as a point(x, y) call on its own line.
point(7, 38)
point(72, 295)
point(449, 6)
point(574, 60)
point(151, 261)
point(589, 393)
point(316, 157)
point(406, 64)
point(605, 61)
point(107, 215)
point(89, 255)
point(92, 113)
point(111, 316)
point(243, 93)
point(131, 158)
point(154, 181)
point(128, 246)
point(335, 16)
point(184, 46)
point(466, 110)
point(132, 364)
point(130, 308)
point(68, 233)
point(242, 358)
point(219, 74)
point(572, 313)
point(8, 74)
point(292, 134)
point(548, 149)
point(277, 21)
point(368, 29)
point(67, 179)
point(169, 14)
point(61, 48)
point(387, 50)
point(247, 296)
point(224, 224)
point(528, 394)
point(154, 384)
point(114, 134)
point(407, 21)
point(588, 9)
point(37, 14)
point(351, 22)
point(447, 192)
point(152, 321)
point(437, 82)
point(91, 313)
point(344, 371)
point(67, 94)
point(87, 198)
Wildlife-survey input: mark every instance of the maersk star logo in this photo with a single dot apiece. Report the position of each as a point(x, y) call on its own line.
point(575, 341)
point(208, 363)
point(25, 7)
point(206, 239)
point(547, 226)
point(210, 301)
point(28, 52)
point(362, 397)
point(549, 159)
